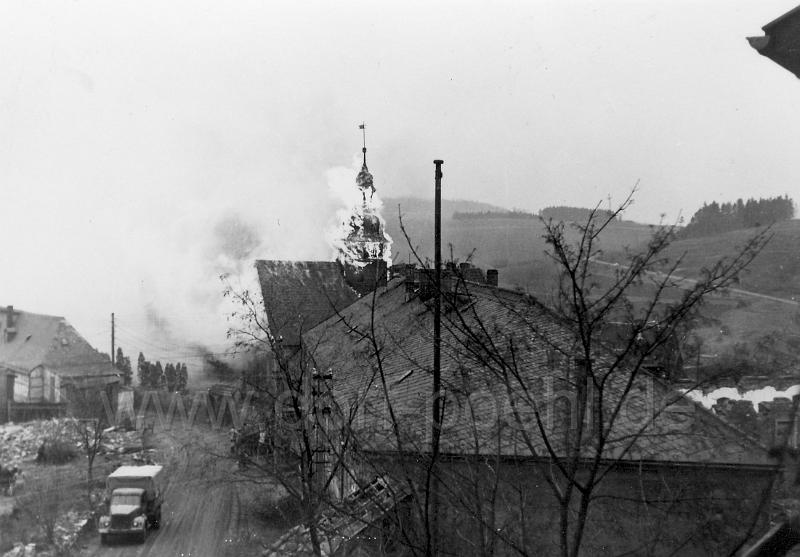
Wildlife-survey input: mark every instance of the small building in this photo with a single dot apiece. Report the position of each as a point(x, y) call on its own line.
point(45, 365)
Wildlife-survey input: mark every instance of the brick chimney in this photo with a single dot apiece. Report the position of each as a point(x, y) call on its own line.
point(10, 323)
point(492, 277)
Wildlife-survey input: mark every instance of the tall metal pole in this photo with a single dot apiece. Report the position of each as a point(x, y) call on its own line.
point(437, 364)
point(437, 308)
point(113, 355)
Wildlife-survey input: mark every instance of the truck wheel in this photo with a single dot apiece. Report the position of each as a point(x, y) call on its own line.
point(157, 520)
point(143, 537)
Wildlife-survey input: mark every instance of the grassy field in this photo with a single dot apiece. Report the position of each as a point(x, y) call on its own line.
point(775, 271)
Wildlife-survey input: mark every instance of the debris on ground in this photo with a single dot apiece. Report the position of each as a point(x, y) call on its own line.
point(22, 442)
point(337, 525)
point(70, 526)
point(21, 550)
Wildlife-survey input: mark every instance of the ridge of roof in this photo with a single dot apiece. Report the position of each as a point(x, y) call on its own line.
point(3, 309)
point(781, 19)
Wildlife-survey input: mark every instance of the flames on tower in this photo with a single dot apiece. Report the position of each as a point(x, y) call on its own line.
point(362, 239)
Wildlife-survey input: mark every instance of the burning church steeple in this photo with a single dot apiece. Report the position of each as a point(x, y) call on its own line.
point(364, 240)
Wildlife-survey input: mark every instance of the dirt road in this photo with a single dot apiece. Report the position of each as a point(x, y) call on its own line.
point(201, 507)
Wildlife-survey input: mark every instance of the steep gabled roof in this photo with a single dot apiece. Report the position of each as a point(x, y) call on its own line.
point(480, 415)
point(50, 341)
point(300, 294)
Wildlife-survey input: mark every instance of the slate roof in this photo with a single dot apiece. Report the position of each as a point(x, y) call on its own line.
point(50, 341)
point(480, 416)
point(300, 294)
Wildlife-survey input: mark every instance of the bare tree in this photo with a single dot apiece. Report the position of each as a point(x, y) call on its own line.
point(602, 344)
point(294, 411)
point(606, 371)
point(507, 359)
point(91, 414)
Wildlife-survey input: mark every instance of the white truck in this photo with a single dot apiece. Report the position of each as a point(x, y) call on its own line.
point(135, 496)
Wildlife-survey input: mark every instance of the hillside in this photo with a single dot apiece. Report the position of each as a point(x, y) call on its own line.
point(737, 328)
point(775, 271)
point(419, 207)
point(744, 327)
point(513, 245)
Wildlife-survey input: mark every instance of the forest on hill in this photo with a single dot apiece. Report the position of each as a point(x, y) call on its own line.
point(715, 218)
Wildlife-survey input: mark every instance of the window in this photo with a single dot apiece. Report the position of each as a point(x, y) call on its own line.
point(783, 428)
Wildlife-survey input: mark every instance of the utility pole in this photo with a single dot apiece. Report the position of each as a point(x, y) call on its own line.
point(436, 426)
point(437, 308)
point(113, 356)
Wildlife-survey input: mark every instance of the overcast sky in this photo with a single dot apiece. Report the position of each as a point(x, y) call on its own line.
point(145, 147)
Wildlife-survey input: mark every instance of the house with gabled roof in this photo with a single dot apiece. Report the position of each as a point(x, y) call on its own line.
point(675, 477)
point(43, 361)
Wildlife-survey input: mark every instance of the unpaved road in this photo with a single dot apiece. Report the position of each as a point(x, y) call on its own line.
point(201, 506)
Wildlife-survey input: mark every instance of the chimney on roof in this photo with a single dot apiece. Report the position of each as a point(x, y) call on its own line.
point(11, 323)
point(492, 277)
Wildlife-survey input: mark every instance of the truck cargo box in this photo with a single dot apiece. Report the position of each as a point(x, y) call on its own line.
point(148, 478)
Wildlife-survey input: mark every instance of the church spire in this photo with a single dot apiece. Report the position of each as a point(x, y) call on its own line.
point(364, 178)
point(365, 239)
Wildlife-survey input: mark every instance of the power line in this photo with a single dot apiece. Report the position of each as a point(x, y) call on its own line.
point(171, 346)
point(168, 347)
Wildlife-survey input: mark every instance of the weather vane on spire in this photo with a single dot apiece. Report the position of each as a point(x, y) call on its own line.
point(363, 127)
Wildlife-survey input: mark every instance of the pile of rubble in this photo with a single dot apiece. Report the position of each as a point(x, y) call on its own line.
point(70, 526)
point(21, 550)
point(20, 442)
point(337, 525)
point(121, 441)
point(66, 533)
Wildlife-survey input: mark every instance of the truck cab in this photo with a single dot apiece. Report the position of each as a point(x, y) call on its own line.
point(134, 502)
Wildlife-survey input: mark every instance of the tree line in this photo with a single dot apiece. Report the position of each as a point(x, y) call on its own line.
point(715, 218)
point(574, 214)
point(468, 215)
point(171, 377)
point(559, 213)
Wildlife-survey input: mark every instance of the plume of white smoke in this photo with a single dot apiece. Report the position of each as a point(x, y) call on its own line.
point(161, 276)
point(184, 311)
